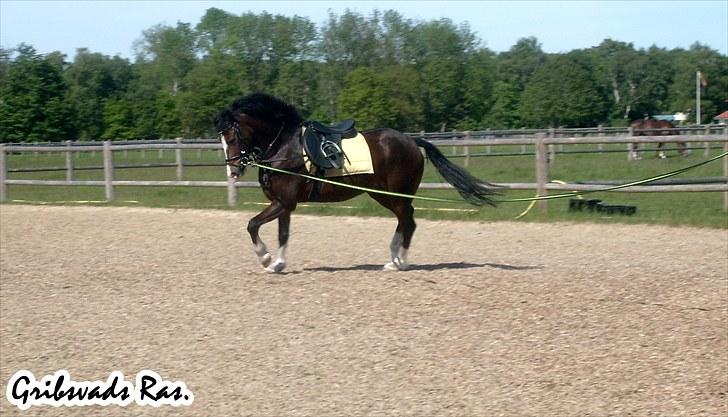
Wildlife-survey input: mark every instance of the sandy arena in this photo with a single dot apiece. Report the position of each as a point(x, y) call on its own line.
point(511, 319)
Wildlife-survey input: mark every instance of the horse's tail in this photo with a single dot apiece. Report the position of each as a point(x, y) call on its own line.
point(473, 190)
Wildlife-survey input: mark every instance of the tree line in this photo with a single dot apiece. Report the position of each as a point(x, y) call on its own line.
point(381, 69)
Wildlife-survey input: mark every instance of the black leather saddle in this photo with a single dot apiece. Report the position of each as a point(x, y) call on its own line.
point(323, 142)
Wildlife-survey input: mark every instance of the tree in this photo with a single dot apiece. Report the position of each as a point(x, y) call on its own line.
point(166, 54)
point(479, 89)
point(504, 112)
point(615, 66)
point(515, 68)
point(681, 94)
point(382, 98)
point(32, 104)
point(92, 79)
point(207, 89)
point(562, 92)
point(520, 62)
point(442, 51)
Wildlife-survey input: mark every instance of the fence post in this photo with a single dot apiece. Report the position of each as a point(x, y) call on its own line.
point(3, 174)
point(178, 157)
point(725, 169)
point(466, 150)
point(523, 135)
point(69, 161)
point(232, 192)
point(487, 147)
point(600, 134)
point(108, 172)
point(631, 151)
point(542, 174)
point(552, 150)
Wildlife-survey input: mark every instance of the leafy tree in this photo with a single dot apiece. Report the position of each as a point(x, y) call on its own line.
point(382, 98)
point(504, 112)
point(395, 39)
point(32, 104)
point(442, 51)
point(210, 86)
point(93, 78)
point(212, 31)
point(479, 89)
point(713, 66)
point(166, 54)
point(515, 68)
point(562, 92)
point(118, 119)
point(520, 62)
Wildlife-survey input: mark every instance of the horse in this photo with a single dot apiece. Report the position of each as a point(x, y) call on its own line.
point(263, 129)
point(652, 127)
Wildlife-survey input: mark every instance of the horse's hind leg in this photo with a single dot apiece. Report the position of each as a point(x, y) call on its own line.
point(399, 247)
point(660, 151)
point(682, 148)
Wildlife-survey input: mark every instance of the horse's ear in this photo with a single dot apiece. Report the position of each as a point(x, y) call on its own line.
point(223, 119)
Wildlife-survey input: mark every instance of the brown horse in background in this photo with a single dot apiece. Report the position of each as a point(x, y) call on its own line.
point(652, 127)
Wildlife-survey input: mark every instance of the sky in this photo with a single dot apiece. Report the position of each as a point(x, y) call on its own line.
point(111, 27)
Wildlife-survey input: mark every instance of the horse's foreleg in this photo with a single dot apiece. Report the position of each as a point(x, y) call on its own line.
point(272, 212)
point(284, 223)
point(394, 249)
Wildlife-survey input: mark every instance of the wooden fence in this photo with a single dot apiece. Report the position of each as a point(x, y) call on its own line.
point(543, 143)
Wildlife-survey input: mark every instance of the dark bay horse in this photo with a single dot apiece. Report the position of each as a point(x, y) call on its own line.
point(264, 129)
point(652, 127)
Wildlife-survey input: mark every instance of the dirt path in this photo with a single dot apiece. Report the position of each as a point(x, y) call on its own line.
point(494, 319)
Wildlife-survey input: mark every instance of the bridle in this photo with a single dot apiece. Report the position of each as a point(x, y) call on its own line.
point(248, 157)
point(243, 156)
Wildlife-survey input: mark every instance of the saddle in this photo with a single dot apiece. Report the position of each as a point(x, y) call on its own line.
point(322, 143)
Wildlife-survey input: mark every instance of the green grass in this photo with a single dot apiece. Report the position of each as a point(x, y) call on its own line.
point(694, 209)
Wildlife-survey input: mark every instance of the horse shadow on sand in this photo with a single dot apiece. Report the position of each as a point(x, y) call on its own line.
point(426, 267)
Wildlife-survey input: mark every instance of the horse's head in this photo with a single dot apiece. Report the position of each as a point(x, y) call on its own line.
point(236, 139)
point(250, 128)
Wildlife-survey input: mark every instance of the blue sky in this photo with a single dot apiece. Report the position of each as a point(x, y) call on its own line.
point(111, 27)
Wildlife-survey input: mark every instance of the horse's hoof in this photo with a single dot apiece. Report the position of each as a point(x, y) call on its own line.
point(276, 268)
point(390, 266)
point(396, 265)
point(265, 260)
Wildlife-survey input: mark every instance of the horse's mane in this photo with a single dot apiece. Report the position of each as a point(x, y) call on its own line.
point(268, 109)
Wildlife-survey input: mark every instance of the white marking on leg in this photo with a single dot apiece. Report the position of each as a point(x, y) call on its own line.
point(394, 248)
point(401, 259)
point(280, 264)
point(262, 252)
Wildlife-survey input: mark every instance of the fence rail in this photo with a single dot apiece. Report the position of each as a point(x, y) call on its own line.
point(542, 142)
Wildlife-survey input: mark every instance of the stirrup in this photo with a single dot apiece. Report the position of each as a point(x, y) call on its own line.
point(331, 151)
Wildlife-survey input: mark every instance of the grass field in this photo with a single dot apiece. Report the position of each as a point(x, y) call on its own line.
point(695, 209)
